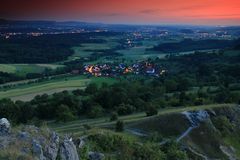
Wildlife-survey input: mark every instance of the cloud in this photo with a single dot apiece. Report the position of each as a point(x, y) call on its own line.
point(156, 10)
point(216, 15)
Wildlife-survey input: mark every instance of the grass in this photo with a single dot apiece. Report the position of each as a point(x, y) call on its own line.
point(235, 142)
point(86, 49)
point(77, 127)
point(206, 140)
point(7, 68)
point(29, 91)
point(49, 88)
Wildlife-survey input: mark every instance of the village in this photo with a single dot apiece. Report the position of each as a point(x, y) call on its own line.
point(113, 70)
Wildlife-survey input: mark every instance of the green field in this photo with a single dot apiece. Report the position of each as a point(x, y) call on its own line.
point(86, 49)
point(77, 127)
point(29, 91)
point(23, 69)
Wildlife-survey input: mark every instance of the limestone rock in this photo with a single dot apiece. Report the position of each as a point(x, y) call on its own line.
point(37, 150)
point(52, 149)
point(5, 127)
point(68, 150)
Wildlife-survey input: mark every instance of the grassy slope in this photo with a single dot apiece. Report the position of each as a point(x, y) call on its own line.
point(76, 127)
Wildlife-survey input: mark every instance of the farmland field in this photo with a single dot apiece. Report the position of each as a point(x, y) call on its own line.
point(86, 49)
point(29, 91)
point(23, 69)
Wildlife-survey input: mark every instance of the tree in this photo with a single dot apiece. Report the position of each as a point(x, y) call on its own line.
point(9, 110)
point(64, 114)
point(151, 110)
point(95, 111)
point(91, 88)
point(125, 109)
point(119, 126)
point(183, 84)
point(171, 85)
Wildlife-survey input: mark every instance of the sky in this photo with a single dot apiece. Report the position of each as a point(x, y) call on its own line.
point(197, 12)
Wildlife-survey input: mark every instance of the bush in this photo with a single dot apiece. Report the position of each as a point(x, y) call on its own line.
point(148, 151)
point(119, 126)
point(151, 110)
point(125, 109)
point(114, 117)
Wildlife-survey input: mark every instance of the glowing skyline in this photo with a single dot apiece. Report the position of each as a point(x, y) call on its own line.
point(201, 12)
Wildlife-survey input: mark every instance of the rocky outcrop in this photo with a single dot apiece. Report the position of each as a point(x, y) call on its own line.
point(68, 150)
point(52, 149)
point(195, 118)
point(5, 127)
point(39, 144)
point(37, 150)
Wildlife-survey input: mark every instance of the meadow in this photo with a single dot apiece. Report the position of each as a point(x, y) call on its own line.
point(27, 92)
point(86, 49)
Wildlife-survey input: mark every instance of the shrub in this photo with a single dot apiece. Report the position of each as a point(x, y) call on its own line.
point(114, 116)
point(151, 110)
point(119, 126)
point(125, 109)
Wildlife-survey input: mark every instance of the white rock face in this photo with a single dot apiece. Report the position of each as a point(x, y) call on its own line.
point(5, 126)
point(196, 117)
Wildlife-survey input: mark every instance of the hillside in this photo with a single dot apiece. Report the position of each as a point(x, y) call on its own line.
point(190, 133)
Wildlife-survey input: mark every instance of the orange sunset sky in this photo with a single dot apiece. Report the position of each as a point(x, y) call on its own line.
point(202, 12)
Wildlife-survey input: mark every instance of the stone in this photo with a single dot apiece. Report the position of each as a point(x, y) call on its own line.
point(68, 150)
point(52, 149)
point(24, 136)
point(37, 150)
point(80, 142)
point(95, 156)
point(5, 127)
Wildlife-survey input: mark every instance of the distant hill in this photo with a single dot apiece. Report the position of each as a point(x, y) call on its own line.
point(20, 22)
point(45, 22)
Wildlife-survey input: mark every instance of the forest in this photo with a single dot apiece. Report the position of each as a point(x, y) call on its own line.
point(190, 45)
point(43, 49)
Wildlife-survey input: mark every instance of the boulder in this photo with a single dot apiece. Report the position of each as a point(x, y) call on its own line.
point(95, 156)
point(68, 150)
point(5, 127)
